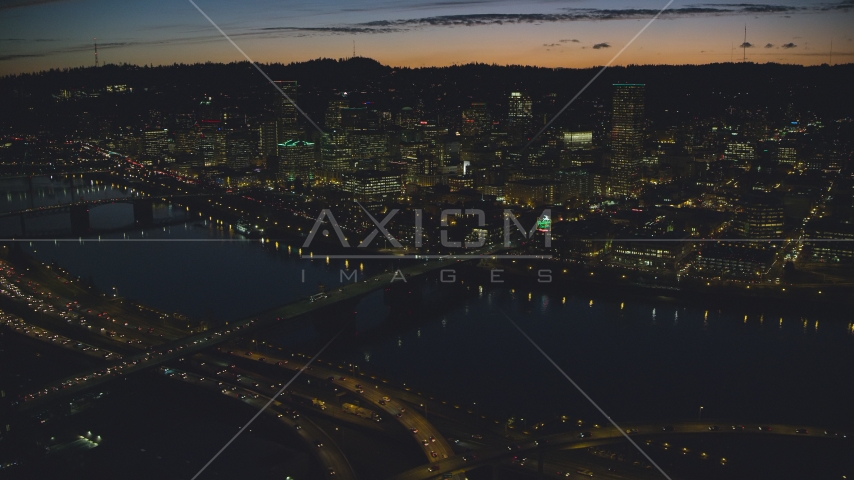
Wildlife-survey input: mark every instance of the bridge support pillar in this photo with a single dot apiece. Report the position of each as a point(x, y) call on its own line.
point(23, 225)
point(79, 219)
point(143, 212)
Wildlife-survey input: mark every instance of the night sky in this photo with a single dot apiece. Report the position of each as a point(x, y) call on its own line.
point(41, 34)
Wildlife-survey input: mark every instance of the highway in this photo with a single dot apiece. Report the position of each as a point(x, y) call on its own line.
point(188, 345)
point(216, 368)
point(332, 459)
point(461, 463)
point(428, 438)
point(20, 326)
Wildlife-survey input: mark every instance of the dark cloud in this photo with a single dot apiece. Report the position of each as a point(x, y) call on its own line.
point(770, 45)
point(4, 58)
point(844, 5)
point(10, 4)
point(551, 44)
point(789, 45)
point(753, 7)
point(601, 45)
point(566, 15)
point(746, 45)
point(342, 29)
point(573, 40)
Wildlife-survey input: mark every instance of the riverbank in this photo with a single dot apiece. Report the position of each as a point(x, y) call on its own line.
point(618, 285)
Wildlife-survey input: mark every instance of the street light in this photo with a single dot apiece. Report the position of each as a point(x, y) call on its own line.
point(699, 415)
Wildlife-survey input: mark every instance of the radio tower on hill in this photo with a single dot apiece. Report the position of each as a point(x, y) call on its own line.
point(744, 45)
point(96, 53)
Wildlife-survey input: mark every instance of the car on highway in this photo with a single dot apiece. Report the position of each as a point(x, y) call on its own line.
point(399, 415)
point(764, 429)
point(425, 443)
point(298, 426)
point(433, 454)
point(584, 434)
point(477, 436)
point(413, 430)
point(631, 431)
point(585, 472)
point(318, 443)
point(738, 427)
point(432, 438)
point(802, 431)
point(714, 428)
point(667, 428)
point(382, 402)
point(330, 471)
point(432, 468)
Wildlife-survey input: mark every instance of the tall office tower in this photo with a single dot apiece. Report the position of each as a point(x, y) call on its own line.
point(520, 114)
point(268, 137)
point(155, 141)
point(368, 144)
point(211, 145)
point(296, 160)
point(626, 139)
point(240, 149)
point(186, 140)
point(286, 112)
point(335, 154)
point(476, 120)
point(332, 119)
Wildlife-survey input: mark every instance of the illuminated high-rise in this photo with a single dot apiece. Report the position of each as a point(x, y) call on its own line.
point(286, 112)
point(476, 120)
point(297, 159)
point(520, 112)
point(626, 139)
point(333, 112)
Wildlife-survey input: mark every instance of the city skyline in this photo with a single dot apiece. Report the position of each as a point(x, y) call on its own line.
point(543, 33)
point(438, 251)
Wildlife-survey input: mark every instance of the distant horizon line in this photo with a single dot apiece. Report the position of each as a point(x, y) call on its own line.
point(423, 67)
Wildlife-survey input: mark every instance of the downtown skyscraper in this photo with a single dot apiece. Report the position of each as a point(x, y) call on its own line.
point(286, 113)
point(519, 115)
point(626, 139)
